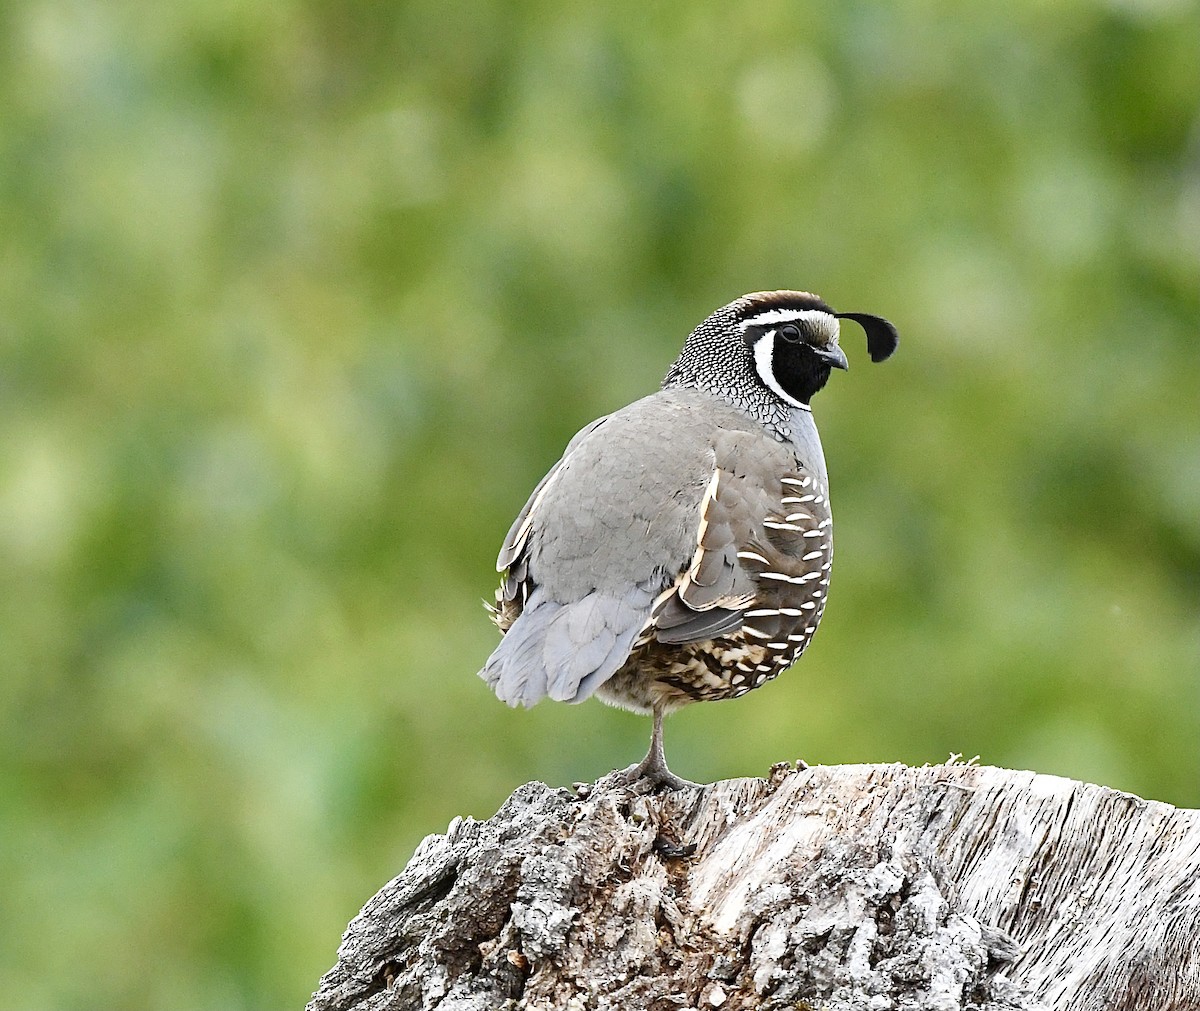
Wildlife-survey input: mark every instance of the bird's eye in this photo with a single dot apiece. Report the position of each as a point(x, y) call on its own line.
point(790, 333)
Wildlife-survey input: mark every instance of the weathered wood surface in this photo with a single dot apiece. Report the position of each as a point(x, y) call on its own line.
point(846, 887)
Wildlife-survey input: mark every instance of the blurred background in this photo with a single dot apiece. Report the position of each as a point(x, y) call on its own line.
point(298, 302)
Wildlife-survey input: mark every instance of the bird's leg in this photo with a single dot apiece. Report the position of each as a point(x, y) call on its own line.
point(654, 766)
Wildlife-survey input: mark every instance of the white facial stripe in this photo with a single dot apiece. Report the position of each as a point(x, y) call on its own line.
point(764, 349)
point(825, 324)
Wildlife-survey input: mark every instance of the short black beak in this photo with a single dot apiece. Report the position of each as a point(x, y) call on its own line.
point(834, 355)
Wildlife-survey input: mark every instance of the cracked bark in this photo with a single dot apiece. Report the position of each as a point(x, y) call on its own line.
point(845, 887)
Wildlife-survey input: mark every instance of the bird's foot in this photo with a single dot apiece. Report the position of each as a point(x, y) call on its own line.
point(652, 771)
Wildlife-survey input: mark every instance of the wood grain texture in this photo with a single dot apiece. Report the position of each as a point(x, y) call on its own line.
point(846, 887)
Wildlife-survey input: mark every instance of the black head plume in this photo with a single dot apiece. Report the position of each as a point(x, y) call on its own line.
point(882, 337)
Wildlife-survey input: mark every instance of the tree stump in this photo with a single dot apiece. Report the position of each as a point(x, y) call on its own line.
point(844, 887)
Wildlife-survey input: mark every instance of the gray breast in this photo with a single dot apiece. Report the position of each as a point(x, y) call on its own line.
point(750, 601)
point(807, 444)
point(658, 559)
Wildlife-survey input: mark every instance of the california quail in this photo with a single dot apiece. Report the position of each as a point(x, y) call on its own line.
point(680, 550)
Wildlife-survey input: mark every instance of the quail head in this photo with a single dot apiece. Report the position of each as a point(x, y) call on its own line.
point(680, 550)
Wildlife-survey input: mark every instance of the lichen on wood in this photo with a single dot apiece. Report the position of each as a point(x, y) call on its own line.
point(846, 887)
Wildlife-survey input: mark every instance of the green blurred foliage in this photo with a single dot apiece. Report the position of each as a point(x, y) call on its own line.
point(299, 301)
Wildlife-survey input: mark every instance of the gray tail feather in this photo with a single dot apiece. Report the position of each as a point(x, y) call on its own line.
point(565, 651)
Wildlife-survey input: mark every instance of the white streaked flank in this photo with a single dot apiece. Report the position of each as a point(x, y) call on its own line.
point(782, 578)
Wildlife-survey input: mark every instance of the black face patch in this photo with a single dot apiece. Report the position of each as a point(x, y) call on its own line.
point(793, 369)
point(798, 369)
